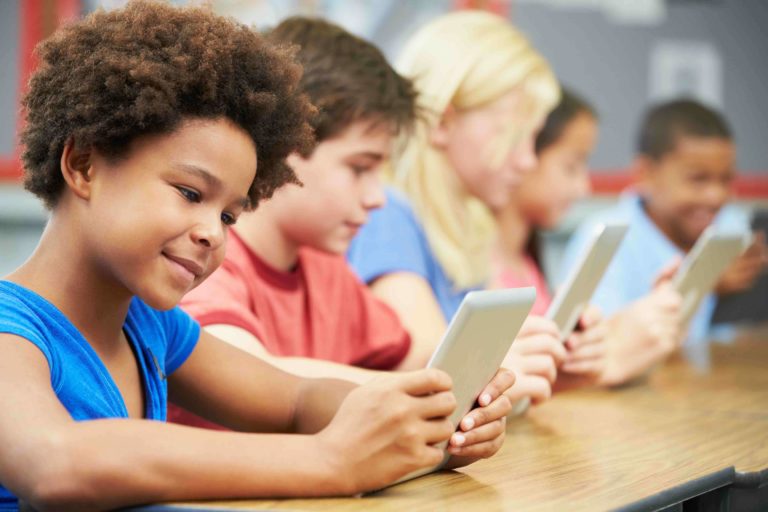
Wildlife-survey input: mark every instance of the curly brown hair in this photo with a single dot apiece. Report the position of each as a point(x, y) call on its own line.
point(347, 78)
point(143, 69)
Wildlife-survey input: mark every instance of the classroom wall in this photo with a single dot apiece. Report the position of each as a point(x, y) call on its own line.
point(9, 77)
point(592, 48)
point(617, 65)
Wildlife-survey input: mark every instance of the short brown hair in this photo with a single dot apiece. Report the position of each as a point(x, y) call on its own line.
point(113, 76)
point(347, 78)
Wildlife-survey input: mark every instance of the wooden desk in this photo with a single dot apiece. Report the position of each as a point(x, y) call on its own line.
point(679, 434)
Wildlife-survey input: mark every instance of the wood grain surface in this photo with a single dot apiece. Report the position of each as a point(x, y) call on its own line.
point(602, 449)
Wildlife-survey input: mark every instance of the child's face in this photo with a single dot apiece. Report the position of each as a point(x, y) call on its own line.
point(562, 176)
point(687, 186)
point(157, 218)
point(341, 185)
point(470, 140)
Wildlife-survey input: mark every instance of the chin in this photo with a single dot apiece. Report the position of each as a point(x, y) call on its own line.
point(161, 301)
point(338, 247)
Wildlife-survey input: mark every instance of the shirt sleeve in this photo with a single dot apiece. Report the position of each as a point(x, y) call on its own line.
point(223, 298)
point(391, 241)
point(20, 321)
point(182, 335)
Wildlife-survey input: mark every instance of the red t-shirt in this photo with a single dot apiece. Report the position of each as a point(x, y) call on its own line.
point(319, 310)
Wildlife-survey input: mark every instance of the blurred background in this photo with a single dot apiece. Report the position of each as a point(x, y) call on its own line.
point(621, 55)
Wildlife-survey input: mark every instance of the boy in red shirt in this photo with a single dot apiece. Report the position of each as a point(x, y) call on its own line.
point(285, 288)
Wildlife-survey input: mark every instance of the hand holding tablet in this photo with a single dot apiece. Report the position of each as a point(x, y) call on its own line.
point(474, 346)
point(710, 256)
point(573, 297)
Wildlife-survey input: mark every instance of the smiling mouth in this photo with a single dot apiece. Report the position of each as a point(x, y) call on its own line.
point(186, 269)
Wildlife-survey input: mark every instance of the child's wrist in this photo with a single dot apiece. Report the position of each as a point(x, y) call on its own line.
point(333, 475)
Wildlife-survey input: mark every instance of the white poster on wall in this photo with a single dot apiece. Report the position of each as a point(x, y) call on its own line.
point(686, 68)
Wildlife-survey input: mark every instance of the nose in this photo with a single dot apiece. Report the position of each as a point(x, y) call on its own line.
point(372, 194)
point(524, 158)
point(209, 232)
point(584, 187)
point(716, 195)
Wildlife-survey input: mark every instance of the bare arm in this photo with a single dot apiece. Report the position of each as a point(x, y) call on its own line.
point(379, 433)
point(412, 298)
point(300, 366)
point(68, 465)
point(221, 383)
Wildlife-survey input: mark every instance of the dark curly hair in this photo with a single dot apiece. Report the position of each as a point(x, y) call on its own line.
point(143, 69)
point(347, 78)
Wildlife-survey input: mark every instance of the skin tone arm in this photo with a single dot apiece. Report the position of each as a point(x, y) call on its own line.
point(69, 464)
point(644, 333)
point(299, 366)
point(413, 300)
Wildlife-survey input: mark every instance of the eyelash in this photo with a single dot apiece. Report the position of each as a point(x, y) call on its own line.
point(190, 195)
point(228, 219)
point(194, 196)
point(359, 169)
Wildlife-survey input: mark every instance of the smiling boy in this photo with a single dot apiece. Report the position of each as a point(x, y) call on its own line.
point(684, 170)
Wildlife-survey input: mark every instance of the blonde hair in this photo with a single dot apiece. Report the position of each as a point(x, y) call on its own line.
point(465, 59)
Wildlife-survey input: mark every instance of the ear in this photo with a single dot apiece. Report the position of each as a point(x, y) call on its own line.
point(440, 134)
point(77, 169)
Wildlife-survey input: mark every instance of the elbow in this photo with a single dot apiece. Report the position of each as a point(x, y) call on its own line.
point(58, 482)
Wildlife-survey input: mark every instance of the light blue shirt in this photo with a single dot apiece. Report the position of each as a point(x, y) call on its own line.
point(394, 240)
point(641, 256)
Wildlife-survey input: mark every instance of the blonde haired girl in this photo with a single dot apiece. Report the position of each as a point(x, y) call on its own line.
point(484, 91)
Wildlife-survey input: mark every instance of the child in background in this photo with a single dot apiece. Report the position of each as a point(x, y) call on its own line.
point(285, 291)
point(683, 170)
point(149, 130)
point(563, 146)
point(485, 92)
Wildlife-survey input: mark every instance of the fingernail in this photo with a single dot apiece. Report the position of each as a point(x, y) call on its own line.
point(468, 423)
point(485, 399)
point(458, 439)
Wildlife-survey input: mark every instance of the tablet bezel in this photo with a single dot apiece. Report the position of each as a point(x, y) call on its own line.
point(574, 295)
point(710, 256)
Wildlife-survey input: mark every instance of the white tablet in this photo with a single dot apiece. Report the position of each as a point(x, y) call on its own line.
point(574, 295)
point(713, 252)
point(475, 344)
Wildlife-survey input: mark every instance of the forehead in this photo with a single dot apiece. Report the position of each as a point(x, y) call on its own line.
point(714, 152)
point(364, 136)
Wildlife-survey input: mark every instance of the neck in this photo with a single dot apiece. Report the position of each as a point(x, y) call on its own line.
point(61, 271)
point(261, 232)
point(514, 233)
